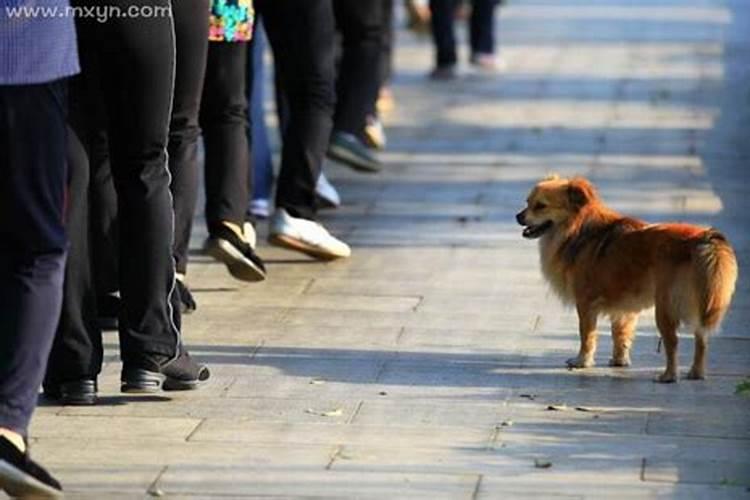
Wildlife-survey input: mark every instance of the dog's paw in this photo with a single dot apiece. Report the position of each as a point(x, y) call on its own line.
point(619, 362)
point(579, 362)
point(666, 378)
point(695, 374)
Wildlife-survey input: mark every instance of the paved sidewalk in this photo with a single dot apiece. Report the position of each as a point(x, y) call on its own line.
point(432, 362)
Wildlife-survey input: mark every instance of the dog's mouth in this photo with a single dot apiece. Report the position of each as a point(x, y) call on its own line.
point(532, 232)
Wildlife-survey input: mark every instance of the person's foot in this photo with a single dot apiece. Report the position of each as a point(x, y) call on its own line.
point(305, 236)
point(81, 392)
point(386, 102)
point(260, 208)
point(328, 196)
point(187, 301)
point(375, 133)
point(21, 477)
point(444, 73)
point(487, 62)
point(347, 149)
point(154, 373)
point(107, 311)
point(228, 245)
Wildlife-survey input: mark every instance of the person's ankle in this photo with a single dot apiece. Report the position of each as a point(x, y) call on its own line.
point(14, 438)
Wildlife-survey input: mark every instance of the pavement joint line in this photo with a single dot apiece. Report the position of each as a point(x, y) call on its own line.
point(336, 453)
point(152, 489)
point(355, 413)
point(400, 336)
point(477, 487)
point(308, 286)
point(197, 427)
point(643, 470)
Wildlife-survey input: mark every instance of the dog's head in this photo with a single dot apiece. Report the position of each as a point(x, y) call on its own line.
point(554, 202)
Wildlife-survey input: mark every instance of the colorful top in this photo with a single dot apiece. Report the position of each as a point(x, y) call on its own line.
point(231, 21)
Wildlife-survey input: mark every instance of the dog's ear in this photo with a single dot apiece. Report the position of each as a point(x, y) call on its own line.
point(580, 192)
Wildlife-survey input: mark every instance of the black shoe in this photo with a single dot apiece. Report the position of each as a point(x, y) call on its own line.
point(157, 372)
point(187, 302)
point(444, 73)
point(81, 392)
point(21, 477)
point(230, 248)
point(108, 311)
point(347, 149)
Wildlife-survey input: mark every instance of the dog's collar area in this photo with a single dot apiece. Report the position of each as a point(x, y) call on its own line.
point(532, 232)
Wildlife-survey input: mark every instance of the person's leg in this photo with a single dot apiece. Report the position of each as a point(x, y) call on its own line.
point(224, 121)
point(302, 38)
point(361, 26)
point(227, 168)
point(261, 160)
point(137, 56)
point(32, 241)
point(443, 33)
point(191, 38)
point(482, 28)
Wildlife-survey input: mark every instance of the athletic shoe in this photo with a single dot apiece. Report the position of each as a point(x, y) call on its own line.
point(154, 373)
point(21, 477)
point(328, 196)
point(305, 236)
point(227, 244)
point(248, 232)
point(349, 150)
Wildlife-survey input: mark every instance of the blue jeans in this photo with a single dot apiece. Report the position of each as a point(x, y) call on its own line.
point(262, 165)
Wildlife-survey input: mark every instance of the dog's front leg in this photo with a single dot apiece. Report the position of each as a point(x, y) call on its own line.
point(623, 332)
point(587, 332)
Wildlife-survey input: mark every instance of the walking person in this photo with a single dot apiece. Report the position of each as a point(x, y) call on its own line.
point(127, 81)
point(302, 39)
point(36, 56)
point(481, 37)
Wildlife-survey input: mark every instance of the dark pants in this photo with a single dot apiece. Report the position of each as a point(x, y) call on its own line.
point(361, 24)
point(224, 121)
point(191, 37)
point(302, 38)
point(32, 240)
point(481, 28)
point(126, 90)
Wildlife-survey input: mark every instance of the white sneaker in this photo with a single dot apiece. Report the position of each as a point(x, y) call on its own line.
point(248, 231)
point(327, 193)
point(305, 236)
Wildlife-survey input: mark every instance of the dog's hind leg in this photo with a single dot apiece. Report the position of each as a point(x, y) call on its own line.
point(587, 332)
point(698, 370)
point(668, 330)
point(623, 332)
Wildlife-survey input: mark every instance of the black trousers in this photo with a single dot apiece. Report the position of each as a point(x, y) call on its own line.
point(126, 89)
point(481, 28)
point(225, 123)
point(32, 240)
point(302, 39)
point(191, 36)
point(361, 25)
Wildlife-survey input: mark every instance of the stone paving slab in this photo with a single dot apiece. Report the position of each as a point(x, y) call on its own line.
point(431, 363)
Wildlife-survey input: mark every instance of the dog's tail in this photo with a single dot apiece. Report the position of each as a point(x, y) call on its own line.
point(716, 272)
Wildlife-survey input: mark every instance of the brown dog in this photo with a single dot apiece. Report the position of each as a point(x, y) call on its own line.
point(607, 264)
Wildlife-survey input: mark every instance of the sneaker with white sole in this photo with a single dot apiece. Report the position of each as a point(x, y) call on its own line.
point(327, 194)
point(228, 245)
point(21, 477)
point(305, 236)
point(349, 150)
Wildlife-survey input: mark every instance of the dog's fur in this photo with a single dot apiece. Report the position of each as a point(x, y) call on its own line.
point(608, 264)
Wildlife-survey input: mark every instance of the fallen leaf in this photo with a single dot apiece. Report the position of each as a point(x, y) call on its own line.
point(155, 492)
point(542, 464)
point(506, 423)
point(528, 396)
point(317, 381)
point(561, 407)
point(325, 413)
point(383, 393)
point(587, 409)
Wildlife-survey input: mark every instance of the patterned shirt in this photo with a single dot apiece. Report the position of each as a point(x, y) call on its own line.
point(231, 21)
point(37, 41)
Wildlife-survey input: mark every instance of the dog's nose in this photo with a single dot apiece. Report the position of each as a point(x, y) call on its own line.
point(521, 217)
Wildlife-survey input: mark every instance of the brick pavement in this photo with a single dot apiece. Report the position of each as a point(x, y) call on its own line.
point(425, 365)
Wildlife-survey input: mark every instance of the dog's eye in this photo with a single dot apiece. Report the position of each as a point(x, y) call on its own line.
point(540, 206)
